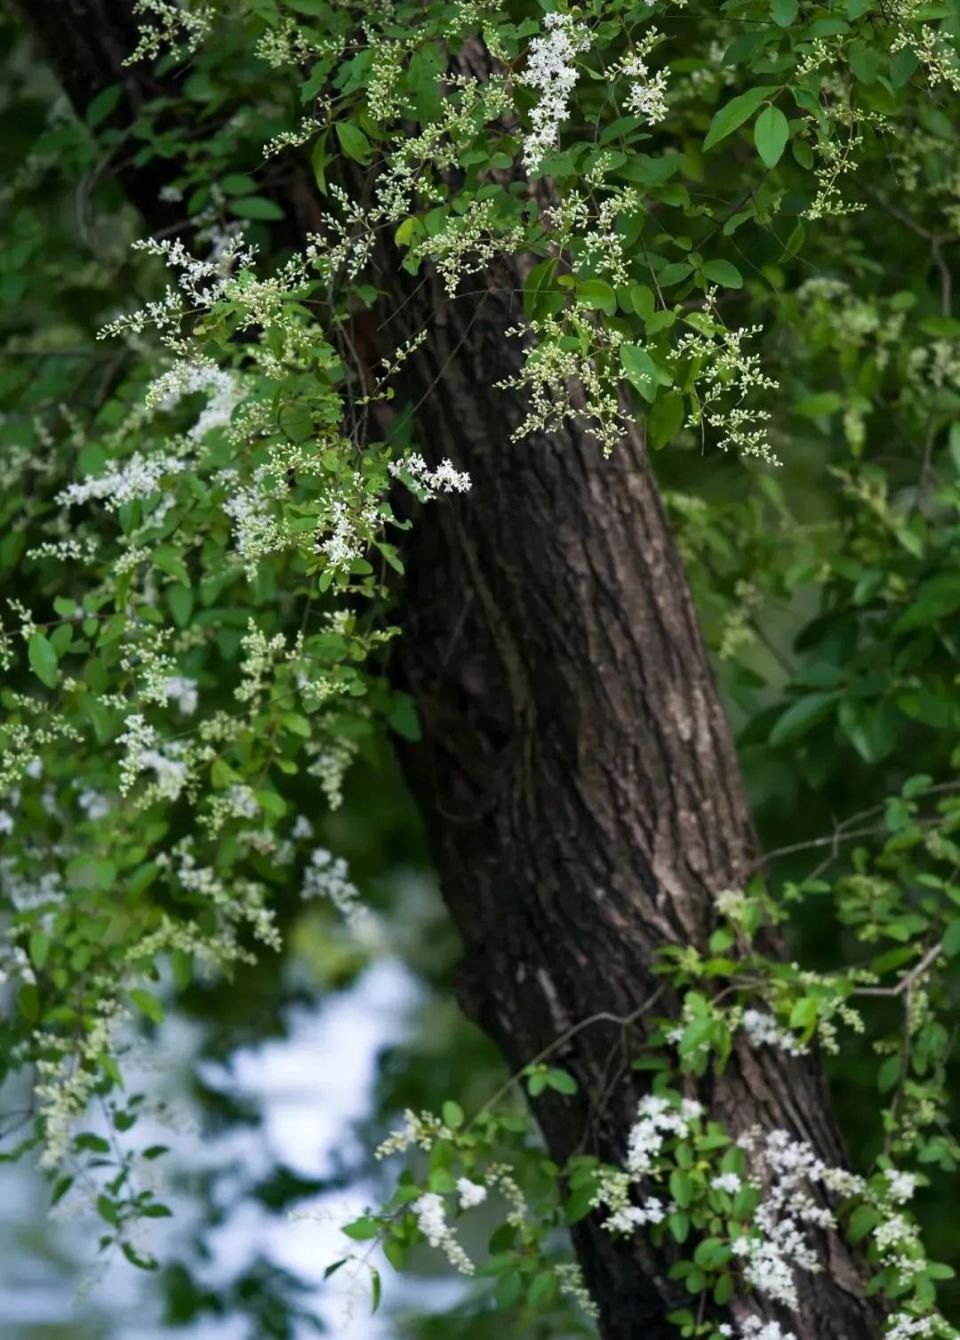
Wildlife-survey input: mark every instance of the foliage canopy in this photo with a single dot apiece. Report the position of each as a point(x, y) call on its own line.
point(734, 224)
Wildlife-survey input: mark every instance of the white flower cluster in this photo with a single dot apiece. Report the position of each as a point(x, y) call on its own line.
point(166, 26)
point(630, 1217)
point(902, 1185)
point(570, 1282)
point(329, 766)
point(657, 1120)
point(138, 477)
point(787, 1169)
point(552, 72)
point(416, 1132)
point(762, 1030)
point(327, 876)
point(431, 1216)
point(187, 378)
point(470, 1193)
point(348, 531)
point(255, 530)
point(755, 1329)
point(142, 754)
point(905, 1327)
point(469, 242)
point(646, 97)
point(443, 479)
point(183, 691)
point(728, 375)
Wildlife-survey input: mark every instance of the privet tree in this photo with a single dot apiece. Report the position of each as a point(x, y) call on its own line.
point(443, 280)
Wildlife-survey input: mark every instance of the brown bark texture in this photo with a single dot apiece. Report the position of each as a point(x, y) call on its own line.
point(576, 773)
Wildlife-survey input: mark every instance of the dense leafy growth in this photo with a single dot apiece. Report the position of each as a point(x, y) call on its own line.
point(737, 225)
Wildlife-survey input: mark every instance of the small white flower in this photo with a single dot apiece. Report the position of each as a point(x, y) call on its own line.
point(470, 1193)
point(902, 1185)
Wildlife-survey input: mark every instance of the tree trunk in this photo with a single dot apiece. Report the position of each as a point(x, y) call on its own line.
point(577, 776)
point(576, 772)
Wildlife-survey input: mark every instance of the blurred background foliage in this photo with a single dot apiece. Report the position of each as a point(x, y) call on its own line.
point(800, 574)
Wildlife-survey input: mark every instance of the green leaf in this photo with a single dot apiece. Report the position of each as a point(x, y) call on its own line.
point(863, 1219)
point(644, 303)
point(674, 273)
point(148, 1003)
point(90, 872)
point(865, 62)
point(724, 273)
point(733, 114)
point(238, 183)
point(770, 135)
point(597, 293)
point(804, 1013)
point(640, 370)
point(271, 803)
point(255, 207)
point(452, 1114)
point(354, 142)
point(812, 406)
point(318, 161)
point(43, 660)
point(932, 601)
point(665, 419)
point(888, 1074)
point(783, 12)
point(509, 1289)
point(543, 1290)
point(561, 1081)
point(903, 66)
point(951, 940)
point(40, 948)
point(681, 1187)
point(801, 716)
point(679, 1223)
point(541, 297)
point(362, 1229)
point(103, 104)
point(403, 719)
point(180, 600)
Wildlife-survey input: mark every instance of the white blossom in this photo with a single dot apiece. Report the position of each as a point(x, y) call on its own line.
point(183, 691)
point(552, 72)
point(470, 1193)
point(430, 1212)
point(762, 1030)
point(443, 479)
point(902, 1185)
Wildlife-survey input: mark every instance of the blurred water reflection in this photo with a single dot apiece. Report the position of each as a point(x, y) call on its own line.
point(309, 1087)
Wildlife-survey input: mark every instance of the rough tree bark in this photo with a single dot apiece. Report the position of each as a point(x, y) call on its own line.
point(576, 773)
